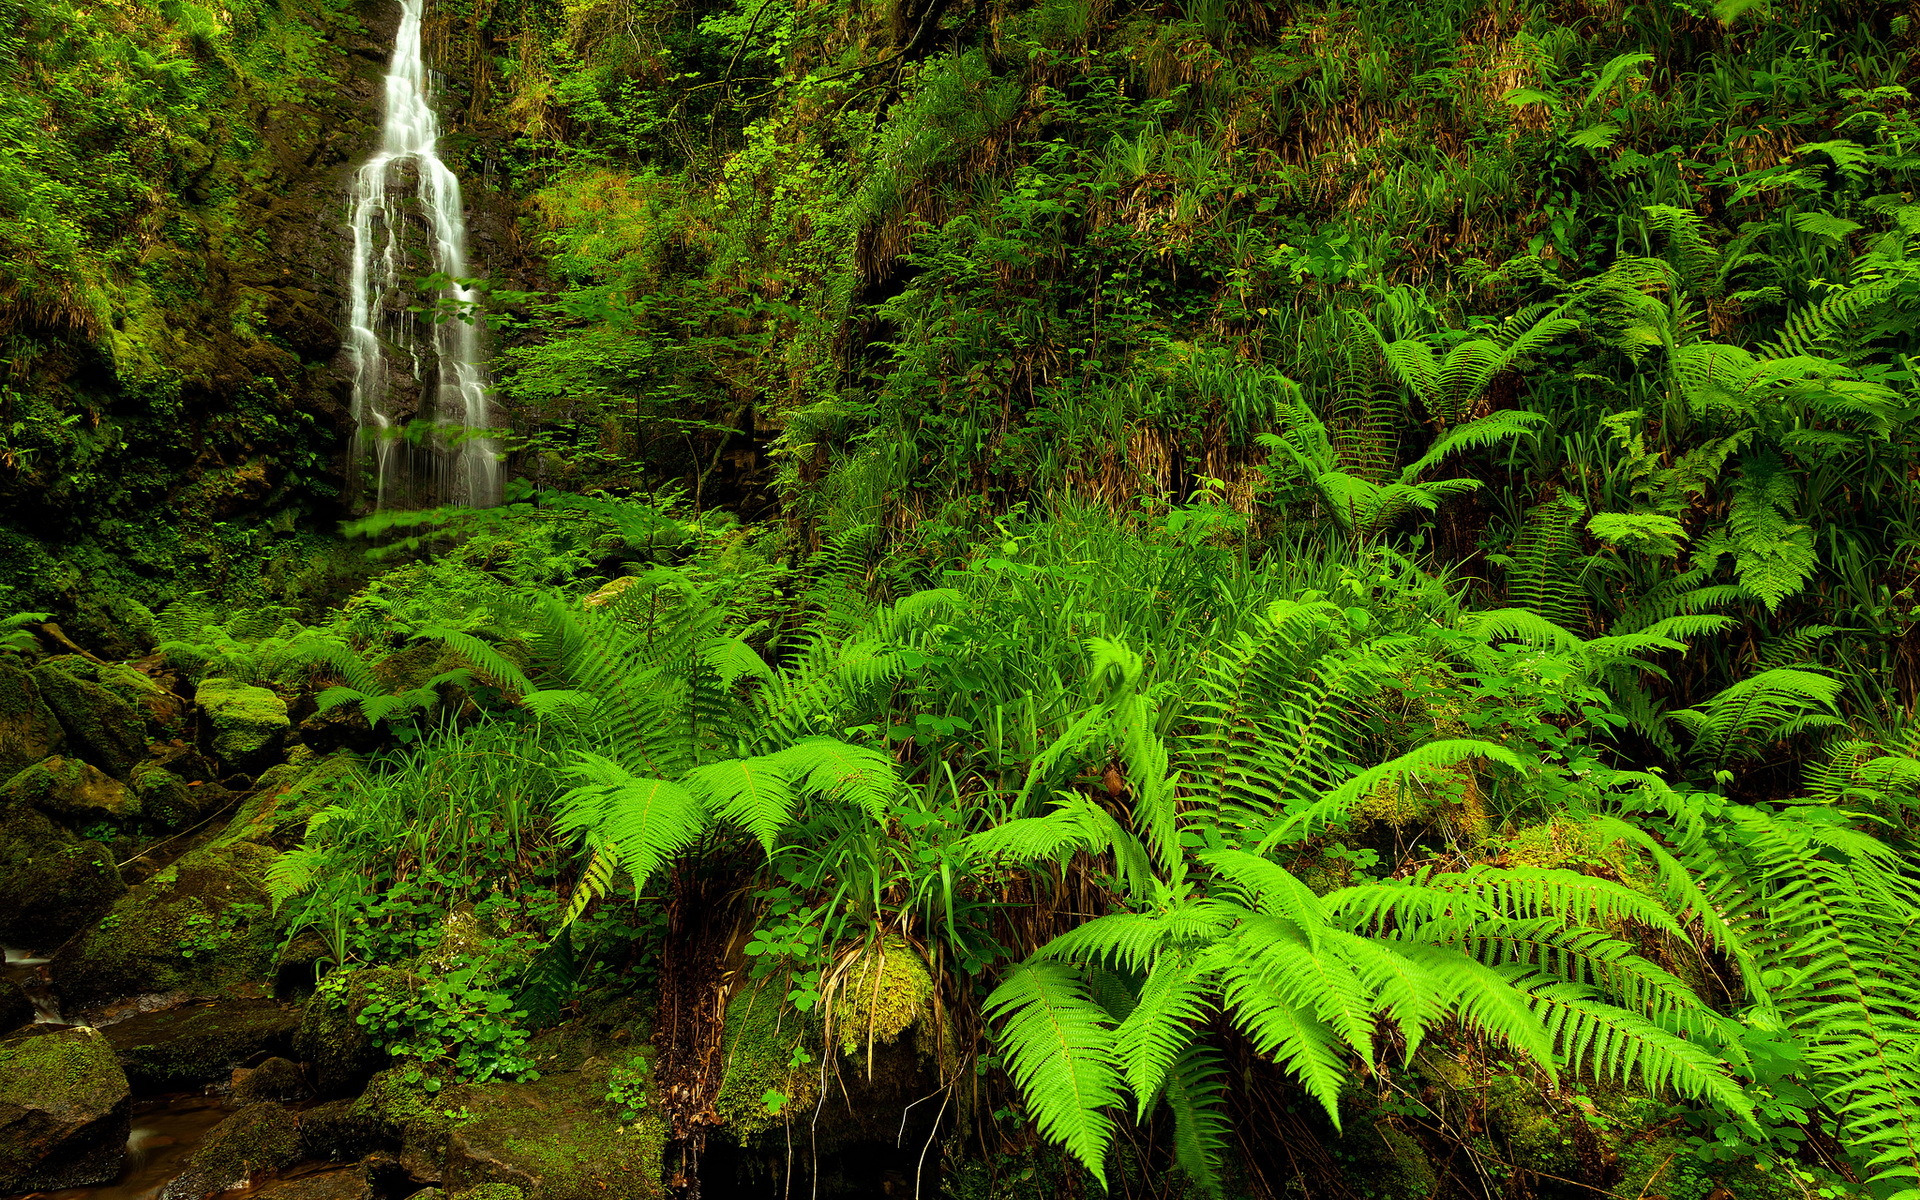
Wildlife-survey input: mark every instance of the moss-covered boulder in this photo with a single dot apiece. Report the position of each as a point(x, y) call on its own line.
point(286, 796)
point(71, 791)
point(28, 730)
point(51, 882)
point(247, 722)
point(553, 1139)
point(274, 1079)
point(179, 1048)
point(167, 800)
point(339, 1054)
point(101, 728)
point(63, 1112)
point(202, 926)
point(253, 1141)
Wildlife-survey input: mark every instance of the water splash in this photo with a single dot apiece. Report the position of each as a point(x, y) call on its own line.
point(407, 224)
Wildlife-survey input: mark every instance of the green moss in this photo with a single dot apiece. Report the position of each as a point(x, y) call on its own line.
point(285, 797)
point(51, 883)
point(883, 994)
point(246, 720)
point(202, 925)
point(71, 790)
point(101, 727)
point(74, 1068)
point(770, 1055)
point(28, 730)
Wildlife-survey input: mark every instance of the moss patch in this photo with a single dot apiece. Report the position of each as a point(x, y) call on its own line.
point(882, 995)
point(246, 720)
point(199, 1043)
point(771, 1067)
point(73, 791)
point(51, 883)
point(202, 926)
point(28, 730)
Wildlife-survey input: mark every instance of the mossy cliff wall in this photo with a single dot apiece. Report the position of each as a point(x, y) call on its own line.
point(172, 263)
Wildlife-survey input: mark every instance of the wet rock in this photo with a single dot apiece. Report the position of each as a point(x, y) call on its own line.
point(64, 1112)
point(51, 882)
point(338, 1130)
point(257, 1139)
point(69, 790)
point(348, 1184)
point(16, 1007)
point(340, 1057)
point(274, 1079)
point(202, 926)
point(248, 722)
point(101, 727)
point(179, 1048)
point(28, 730)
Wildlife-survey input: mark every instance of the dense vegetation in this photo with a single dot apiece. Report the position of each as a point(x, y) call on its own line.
point(1213, 598)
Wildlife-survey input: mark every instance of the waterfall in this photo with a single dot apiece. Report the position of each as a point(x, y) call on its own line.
point(413, 376)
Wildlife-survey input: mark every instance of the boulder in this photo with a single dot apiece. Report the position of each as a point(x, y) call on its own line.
point(69, 790)
point(553, 1139)
point(248, 722)
point(287, 796)
point(28, 730)
point(253, 1141)
point(179, 1048)
point(202, 926)
point(274, 1079)
point(16, 1007)
point(338, 1130)
point(64, 1112)
point(51, 882)
point(100, 727)
point(339, 1054)
point(168, 801)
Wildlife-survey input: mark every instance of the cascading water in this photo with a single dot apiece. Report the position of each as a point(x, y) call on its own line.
point(411, 372)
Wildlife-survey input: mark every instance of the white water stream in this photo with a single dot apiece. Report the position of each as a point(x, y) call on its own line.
point(408, 223)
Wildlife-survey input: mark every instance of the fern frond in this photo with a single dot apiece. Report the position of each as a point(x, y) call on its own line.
point(1058, 1046)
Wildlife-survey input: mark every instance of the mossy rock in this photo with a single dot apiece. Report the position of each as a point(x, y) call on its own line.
point(286, 797)
point(248, 722)
point(179, 1048)
point(167, 801)
point(202, 926)
point(1381, 1160)
point(253, 1141)
point(69, 790)
point(337, 1130)
point(336, 1048)
point(759, 1045)
point(552, 1139)
point(64, 1106)
point(51, 882)
point(884, 992)
point(28, 730)
point(275, 1079)
point(101, 728)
